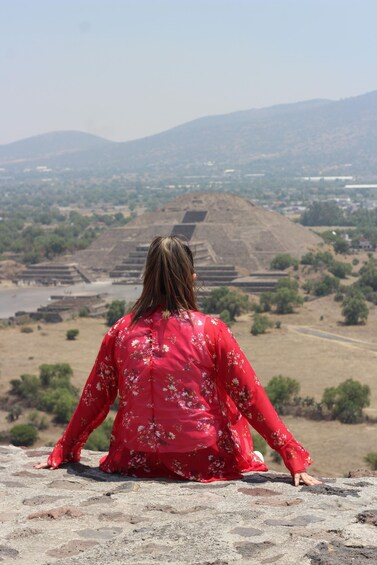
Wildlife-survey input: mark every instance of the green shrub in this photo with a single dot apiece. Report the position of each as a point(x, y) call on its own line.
point(281, 262)
point(225, 317)
point(340, 270)
point(26, 330)
point(84, 312)
point(282, 391)
point(116, 310)
point(99, 440)
point(72, 334)
point(39, 421)
point(261, 324)
point(326, 286)
point(259, 443)
point(57, 375)
point(354, 310)
point(266, 301)
point(346, 401)
point(371, 459)
point(285, 299)
point(14, 413)
point(23, 434)
point(223, 298)
point(26, 388)
point(58, 401)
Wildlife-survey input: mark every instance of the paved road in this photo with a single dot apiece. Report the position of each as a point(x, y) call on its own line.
point(28, 299)
point(333, 337)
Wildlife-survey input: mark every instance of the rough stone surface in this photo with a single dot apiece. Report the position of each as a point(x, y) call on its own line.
point(87, 517)
point(368, 517)
point(358, 473)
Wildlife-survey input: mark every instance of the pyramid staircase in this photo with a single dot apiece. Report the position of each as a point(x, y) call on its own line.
point(53, 274)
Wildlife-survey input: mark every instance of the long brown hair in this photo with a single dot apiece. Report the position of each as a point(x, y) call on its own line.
point(168, 278)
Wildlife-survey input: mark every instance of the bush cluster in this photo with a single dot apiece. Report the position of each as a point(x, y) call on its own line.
point(226, 303)
point(285, 298)
point(99, 440)
point(51, 391)
point(344, 402)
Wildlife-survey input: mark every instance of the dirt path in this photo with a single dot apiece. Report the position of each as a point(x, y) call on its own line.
point(312, 332)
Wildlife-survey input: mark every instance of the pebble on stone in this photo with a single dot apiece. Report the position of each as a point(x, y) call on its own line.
point(39, 500)
point(23, 533)
point(56, 513)
point(37, 453)
point(65, 484)
point(103, 499)
point(257, 491)
point(329, 490)
point(277, 502)
point(336, 553)
point(6, 551)
point(368, 517)
point(359, 473)
point(73, 547)
point(251, 550)
point(99, 533)
point(121, 517)
point(246, 532)
point(297, 521)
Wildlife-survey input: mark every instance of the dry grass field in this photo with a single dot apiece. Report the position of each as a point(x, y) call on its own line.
point(316, 362)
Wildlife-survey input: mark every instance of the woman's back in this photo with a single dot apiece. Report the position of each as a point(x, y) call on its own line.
point(187, 392)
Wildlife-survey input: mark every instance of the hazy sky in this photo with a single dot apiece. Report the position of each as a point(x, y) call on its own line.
point(125, 69)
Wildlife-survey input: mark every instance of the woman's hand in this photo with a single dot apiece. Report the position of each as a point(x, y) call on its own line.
point(45, 465)
point(306, 479)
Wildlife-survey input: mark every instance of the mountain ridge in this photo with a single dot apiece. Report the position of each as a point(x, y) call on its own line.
point(316, 134)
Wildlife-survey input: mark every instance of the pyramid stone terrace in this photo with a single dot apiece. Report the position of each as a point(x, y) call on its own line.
point(229, 235)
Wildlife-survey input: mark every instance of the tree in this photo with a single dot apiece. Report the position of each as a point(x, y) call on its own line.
point(346, 401)
point(116, 310)
point(72, 334)
point(323, 214)
point(26, 388)
point(340, 270)
point(355, 310)
point(285, 299)
point(223, 298)
point(57, 375)
point(281, 391)
point(261, 324)
point(23, 435)
point(341, 245)
point(327, 285)
point(369, 274)
point(266, 301)
point(281, 262)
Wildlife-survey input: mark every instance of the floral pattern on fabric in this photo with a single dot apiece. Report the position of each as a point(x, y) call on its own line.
point(187, 395)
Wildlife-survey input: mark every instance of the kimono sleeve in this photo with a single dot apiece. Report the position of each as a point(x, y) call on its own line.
point(243, 386)
point(98, 395)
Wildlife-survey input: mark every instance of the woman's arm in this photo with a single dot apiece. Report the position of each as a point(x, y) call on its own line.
point(98, 395)
point(238, 378)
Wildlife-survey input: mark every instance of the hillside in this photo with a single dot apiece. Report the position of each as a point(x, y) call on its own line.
point(308, 137)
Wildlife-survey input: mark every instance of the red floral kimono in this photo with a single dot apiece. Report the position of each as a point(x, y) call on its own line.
point(187, 396)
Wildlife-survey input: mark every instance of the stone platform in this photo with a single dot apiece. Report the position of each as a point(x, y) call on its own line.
point(78, 515)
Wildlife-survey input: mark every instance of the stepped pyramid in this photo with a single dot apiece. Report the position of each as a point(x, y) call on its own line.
point(229, 235)
point(52, 274)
